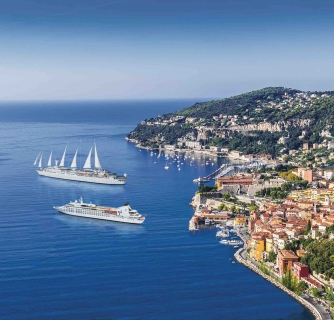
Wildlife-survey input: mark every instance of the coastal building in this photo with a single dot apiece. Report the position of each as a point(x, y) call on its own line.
point(257, 246)
point(235, 180)
point(300, 270)
point(269, 244)
point(312, 283)
point(193, 144)
point(240, 220)
point(285, 260)
point(235, 154)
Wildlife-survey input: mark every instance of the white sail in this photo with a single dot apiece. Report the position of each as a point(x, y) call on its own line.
point(37, 159)
point(87, 164)
point(74, 161)
point(96, 159)
point(62, 161)
point(40, 161)
point(49, 162)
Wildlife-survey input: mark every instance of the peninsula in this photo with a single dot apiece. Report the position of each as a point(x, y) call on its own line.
point(272, 121)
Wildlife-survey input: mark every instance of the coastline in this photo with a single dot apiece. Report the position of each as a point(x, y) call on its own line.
point(317, 315)
point(204, 151)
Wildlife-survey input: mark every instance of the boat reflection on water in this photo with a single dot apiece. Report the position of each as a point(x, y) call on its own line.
point(119, 228)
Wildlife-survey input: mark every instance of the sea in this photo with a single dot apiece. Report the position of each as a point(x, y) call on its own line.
point(54, 266)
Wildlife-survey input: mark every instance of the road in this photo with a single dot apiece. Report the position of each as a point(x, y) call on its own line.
point(325, 315)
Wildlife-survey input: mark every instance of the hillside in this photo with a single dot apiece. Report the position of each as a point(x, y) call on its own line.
point(252, 122)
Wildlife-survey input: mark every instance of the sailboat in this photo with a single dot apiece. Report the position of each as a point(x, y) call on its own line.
point(95, 174)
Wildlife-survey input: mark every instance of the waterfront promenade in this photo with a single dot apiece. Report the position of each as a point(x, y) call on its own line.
point(319, 312)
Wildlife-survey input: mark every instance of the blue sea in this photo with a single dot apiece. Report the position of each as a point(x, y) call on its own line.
point(54, 266)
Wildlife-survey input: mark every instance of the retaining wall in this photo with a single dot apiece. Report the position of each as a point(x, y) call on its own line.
point(305, 303)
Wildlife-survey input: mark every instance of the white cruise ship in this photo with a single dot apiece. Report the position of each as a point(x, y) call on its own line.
point(88, 210)
point(87, 174)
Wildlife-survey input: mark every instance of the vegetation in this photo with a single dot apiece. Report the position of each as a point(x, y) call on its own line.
point(266, 105)
point(203, 188)
point(291, 282)
point(320, 255)
point(273, 193)
point(282, 191)
point(272, 257)
point(288, 176)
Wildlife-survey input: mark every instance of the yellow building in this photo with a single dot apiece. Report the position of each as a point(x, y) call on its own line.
point(257, 246)
point(269, 244)
point(240, 220)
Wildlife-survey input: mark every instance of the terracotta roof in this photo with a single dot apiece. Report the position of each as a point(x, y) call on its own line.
point(311, 281)
point(288, 254)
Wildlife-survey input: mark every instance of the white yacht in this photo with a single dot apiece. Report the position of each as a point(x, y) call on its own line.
point(89, 210)
point(87, 174)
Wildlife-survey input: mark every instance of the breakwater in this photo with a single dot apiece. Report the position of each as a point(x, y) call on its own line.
point(302, 301)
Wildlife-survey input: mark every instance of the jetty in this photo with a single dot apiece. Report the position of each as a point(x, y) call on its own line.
point(193, 226)
point(230, 169)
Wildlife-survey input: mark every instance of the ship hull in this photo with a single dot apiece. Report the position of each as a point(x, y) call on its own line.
point(81, 178)
point(100, 216)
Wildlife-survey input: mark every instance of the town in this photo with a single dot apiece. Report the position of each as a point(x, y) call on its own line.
point(288, 212)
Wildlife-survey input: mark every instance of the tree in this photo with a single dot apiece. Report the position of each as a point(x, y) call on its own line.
point(301, 287)
point(293, 245)
point(221, 207)
point(308, 227)
point(289, 280)
point(272, 256)
point(252, 208)
point(232, 208)
point(314, 292)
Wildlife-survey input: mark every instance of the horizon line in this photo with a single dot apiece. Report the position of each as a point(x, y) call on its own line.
point(111, 99)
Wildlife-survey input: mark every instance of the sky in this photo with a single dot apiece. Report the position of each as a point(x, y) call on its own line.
point(152, 49)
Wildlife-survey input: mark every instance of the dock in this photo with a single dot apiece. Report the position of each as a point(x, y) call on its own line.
point(225, 170)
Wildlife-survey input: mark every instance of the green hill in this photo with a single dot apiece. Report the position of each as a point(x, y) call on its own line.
point(252, 122)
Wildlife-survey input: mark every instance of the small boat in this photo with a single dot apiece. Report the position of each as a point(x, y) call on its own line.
point(207, 222)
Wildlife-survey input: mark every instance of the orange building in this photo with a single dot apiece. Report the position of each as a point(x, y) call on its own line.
point(308, 175)
point(285, 260)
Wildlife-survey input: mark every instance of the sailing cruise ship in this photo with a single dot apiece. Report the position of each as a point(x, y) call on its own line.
point(96, 175)
point(89, 210)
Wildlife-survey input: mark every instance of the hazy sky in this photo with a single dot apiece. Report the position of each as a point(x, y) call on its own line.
point(100, 49)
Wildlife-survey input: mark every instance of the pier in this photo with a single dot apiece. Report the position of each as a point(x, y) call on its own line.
point(225, 170)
